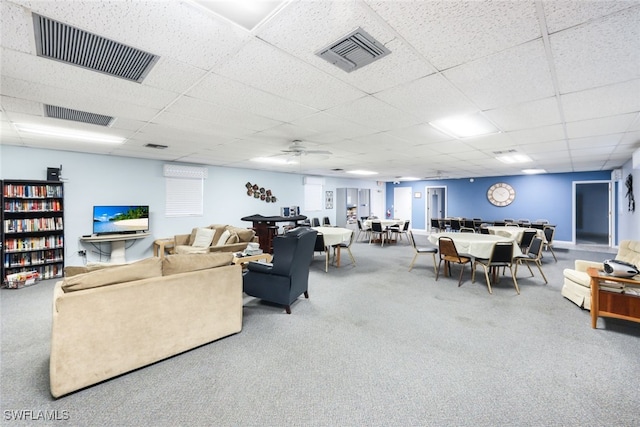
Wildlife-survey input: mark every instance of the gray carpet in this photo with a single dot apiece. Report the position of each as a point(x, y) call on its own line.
point(374, 345)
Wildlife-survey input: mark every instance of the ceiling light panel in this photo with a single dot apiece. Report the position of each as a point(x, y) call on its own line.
point(62, 42)
point(465, 126)
point(245, 13)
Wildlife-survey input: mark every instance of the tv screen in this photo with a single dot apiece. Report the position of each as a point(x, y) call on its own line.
point(120, 219)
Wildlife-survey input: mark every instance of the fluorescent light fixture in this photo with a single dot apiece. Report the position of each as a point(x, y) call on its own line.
point(533, 171)
point(274, 160)
point(246, 13)
point(64, 133)
point(407, 178)
point(362, 172)
point(514, 158)
point(465, 126)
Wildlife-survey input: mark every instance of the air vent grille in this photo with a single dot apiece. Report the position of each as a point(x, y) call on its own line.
point(71, 45)
point(353, 51)
point(77, 116)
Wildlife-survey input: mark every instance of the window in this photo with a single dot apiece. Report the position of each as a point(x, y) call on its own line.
point(184, 190)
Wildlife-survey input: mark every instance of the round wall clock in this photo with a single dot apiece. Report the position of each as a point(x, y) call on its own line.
point(501, 194)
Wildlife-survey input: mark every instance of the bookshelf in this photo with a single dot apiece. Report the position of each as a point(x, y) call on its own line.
point(32, 228)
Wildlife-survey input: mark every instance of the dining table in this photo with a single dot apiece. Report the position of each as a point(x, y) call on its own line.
point(515, 232)
point(334, 236)
point(385, 222)
point(475, 245)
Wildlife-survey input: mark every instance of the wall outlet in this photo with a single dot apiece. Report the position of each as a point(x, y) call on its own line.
point(82, 253)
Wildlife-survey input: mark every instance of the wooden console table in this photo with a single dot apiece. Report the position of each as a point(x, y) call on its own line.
point(612, 304)
point(266, 228)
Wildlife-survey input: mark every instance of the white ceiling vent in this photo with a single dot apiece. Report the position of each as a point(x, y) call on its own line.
point(77, 116)
point(71, 45)
point(353, 51)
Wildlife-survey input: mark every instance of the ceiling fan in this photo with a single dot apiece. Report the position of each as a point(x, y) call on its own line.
point(438, 175)
point(298, 149)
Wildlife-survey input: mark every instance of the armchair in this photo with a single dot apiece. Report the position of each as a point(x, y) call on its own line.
point(287, 277)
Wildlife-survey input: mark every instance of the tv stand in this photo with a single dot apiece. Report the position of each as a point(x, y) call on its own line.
point(117, 241)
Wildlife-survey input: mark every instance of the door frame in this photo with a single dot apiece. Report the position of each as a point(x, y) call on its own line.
point(610, 215)
point(427, 203)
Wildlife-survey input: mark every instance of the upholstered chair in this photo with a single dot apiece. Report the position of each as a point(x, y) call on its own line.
point(287, 276)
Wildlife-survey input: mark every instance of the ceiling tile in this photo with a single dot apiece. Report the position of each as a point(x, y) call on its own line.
point(533, 114)
point(598, 54)
point(450, 33)
point(509, 77)
point(605, 101)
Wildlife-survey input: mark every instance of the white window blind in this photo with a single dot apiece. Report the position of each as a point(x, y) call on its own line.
point(184, 187)
point(313, 194)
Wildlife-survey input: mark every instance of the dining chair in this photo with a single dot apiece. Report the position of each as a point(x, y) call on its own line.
point(422, 250)
point(321, 247)
point(326, 222)
point(484, 230)
point(377, 232)
point(347, 246)
point(527, 237)
point(549, 233)
point(435, 225)
point(467, 230)
point(398, 231)
point(449, 254)
point(455, 224)
point(362, 230)
point(501, 256)
point(532, 255)
point(468, 223)
point(315, 222)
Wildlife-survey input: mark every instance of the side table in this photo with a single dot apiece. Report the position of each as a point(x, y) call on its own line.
point(162, 246)
point(612, 304)
point(244, 260)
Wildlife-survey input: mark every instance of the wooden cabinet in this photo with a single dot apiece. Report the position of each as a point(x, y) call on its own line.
point(612, 304)
point(32, 228)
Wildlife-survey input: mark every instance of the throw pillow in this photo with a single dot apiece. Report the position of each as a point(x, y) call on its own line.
point(177, 263)
point(203, 239)
point(223, 238)
point(233, 238)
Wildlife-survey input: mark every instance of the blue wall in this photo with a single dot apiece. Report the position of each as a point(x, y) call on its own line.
point(548, 196)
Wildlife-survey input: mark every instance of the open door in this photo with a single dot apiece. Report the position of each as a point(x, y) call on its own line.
point(436, 204)
point(592, 213)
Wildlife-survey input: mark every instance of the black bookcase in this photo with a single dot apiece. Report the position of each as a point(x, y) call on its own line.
point(32, 228)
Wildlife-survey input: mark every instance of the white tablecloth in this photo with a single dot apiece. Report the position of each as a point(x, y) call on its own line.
point(515, 232)
point(474, 244)
point(385, 222)
point(334, 235)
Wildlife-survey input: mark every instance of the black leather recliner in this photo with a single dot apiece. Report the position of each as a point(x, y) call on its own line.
point(287, 276)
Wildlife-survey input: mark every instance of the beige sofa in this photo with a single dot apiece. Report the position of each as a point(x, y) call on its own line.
point(577, 285)
point(117, 319)
point(236, 241)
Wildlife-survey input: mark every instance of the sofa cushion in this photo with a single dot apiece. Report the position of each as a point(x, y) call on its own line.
point(144, 269)
point(183, 263)
point(223, 238)
point(203, 238)
point(72, 270)
point(233, 238)
point(244, 234)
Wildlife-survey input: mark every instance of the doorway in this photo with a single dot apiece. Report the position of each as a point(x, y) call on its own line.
point(436, 204)
point(592, 213)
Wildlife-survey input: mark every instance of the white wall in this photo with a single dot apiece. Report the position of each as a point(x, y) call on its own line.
point(628, 222)
point(104, 180)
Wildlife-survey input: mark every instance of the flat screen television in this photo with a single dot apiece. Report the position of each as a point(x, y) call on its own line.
point(120, 219)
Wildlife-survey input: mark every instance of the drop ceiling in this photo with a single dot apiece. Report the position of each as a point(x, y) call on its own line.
point(560, 79)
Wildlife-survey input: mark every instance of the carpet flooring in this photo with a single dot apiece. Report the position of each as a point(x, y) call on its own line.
point(374, 345)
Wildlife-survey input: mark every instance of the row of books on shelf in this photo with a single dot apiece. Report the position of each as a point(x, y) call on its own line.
point(33, 243)
point(33, 258)
point(45, 205)
point(50, 271)
point(35, 191)
point(32, 224)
